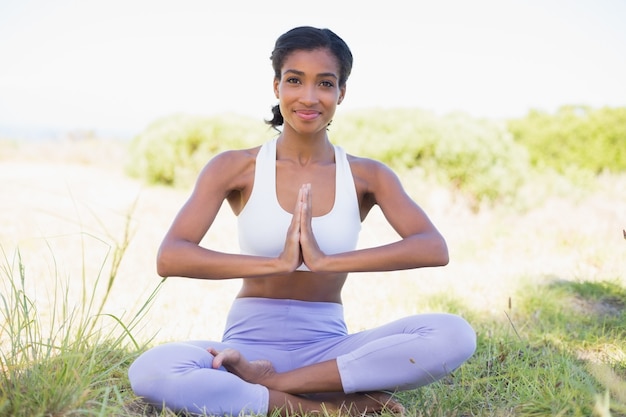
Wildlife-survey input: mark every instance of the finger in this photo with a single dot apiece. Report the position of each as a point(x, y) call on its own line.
point(306, 222)
point(302, 194)
point(306, 190)
point(306, 204)
point(297, 212)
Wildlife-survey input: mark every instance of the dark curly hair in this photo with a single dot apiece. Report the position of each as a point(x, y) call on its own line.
point(308, 38)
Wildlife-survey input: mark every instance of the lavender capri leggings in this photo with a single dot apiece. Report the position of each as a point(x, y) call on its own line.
point(404, 354)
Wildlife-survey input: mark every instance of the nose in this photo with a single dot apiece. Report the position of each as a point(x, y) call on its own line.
point(309, 96)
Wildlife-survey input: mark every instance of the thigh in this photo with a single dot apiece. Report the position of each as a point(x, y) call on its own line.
point(422, 326)
point(333, 347)
point(429, 326)
point(404, 354)
point(173, 358)
point(279, 358)
point(194, 353)
point(180, 376)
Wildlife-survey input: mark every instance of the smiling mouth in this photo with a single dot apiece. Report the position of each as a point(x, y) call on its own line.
point(307, 114)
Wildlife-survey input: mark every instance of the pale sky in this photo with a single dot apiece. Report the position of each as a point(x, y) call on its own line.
point(120, 64)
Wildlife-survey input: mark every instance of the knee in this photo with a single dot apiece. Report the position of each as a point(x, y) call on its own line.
point(461, 335)
point(143, 373)
point(161, 365)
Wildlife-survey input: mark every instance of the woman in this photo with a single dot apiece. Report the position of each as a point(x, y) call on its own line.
point(300, 202)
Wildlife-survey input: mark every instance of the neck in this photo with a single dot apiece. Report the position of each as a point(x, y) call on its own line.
point(304, 149)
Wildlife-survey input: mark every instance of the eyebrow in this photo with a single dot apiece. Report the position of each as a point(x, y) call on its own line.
point(301, 73)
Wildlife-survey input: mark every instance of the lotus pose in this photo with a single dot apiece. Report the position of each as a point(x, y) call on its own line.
point(299, 201)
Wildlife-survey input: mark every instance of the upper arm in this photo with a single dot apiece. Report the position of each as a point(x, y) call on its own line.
point(382, 187)
point(222, 177)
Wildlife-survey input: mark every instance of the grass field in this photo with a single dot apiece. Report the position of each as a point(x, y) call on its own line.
point(545, 288)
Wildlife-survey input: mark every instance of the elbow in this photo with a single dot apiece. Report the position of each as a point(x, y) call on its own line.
point(444, 257)
point(429, 251)
point(161, 269)
point(441, 257)
point(164, 264)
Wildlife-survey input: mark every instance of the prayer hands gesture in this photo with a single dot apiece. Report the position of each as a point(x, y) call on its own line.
point(301, 245)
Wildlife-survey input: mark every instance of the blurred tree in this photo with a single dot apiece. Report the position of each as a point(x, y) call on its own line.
point(574, 136)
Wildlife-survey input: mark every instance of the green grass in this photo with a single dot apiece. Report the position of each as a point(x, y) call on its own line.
point(553, 355)
point(559, 349)
point(75, 361)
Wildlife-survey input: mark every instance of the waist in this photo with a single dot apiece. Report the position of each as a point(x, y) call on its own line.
point(271, 321)
point(299, 285)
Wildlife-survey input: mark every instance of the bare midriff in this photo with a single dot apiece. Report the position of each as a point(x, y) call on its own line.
point(299, 285)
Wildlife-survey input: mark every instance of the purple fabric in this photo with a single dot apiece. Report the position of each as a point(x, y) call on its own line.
point(404, 354)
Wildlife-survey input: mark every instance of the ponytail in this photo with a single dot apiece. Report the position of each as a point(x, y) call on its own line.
point(277, 117)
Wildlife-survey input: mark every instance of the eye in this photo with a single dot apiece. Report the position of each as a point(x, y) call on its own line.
point(292, 80)
point(327, 84)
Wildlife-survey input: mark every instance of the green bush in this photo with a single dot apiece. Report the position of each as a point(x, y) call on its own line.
point(476, 156)
point(173, 149)
point(574, 137)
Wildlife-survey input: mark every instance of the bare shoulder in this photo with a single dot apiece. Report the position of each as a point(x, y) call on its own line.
point(359, 162)
point(377, 184)
point(236, 157)
point(230, 168)
point(371, 173)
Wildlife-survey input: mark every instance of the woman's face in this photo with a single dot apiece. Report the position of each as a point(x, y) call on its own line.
point(308, 90)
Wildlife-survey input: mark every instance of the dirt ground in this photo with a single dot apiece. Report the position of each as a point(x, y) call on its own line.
point(65, 208)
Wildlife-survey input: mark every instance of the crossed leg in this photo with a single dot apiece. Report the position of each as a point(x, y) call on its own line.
point(290, 391)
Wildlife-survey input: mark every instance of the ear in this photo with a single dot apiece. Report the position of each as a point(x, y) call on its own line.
point(276, 83)
point(342, 94)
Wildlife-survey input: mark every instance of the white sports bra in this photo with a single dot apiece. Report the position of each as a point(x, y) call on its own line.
point(263, 223)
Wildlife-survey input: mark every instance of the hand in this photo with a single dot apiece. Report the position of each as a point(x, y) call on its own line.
point(311, 252)
point(291, 253)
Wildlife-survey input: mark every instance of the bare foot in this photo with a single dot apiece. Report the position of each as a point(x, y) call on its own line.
point(387, 402)
point(263, 372)
point(360, 404)
point(254, 372)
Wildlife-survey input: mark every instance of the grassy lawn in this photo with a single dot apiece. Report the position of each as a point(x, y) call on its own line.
point(545, 289)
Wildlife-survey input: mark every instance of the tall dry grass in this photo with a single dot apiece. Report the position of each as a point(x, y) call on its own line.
point(64, 205)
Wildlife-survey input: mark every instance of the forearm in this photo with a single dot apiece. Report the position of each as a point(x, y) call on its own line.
point(187, 259)
point(415, 251)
